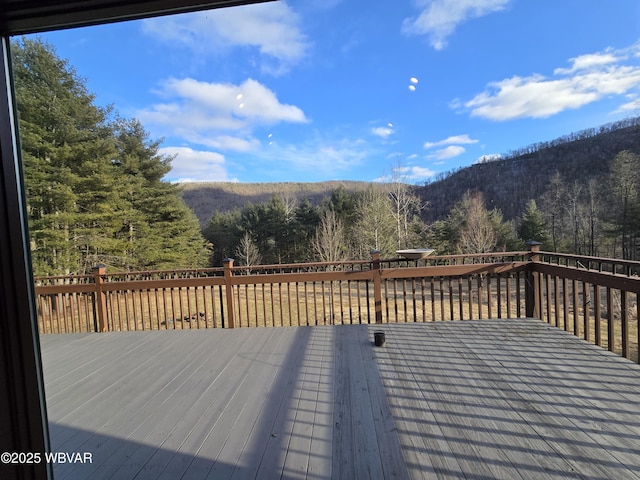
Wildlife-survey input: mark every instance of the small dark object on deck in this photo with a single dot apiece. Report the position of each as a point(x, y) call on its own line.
point(378, 338)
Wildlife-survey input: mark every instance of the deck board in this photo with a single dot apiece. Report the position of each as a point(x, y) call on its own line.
point(489, 399)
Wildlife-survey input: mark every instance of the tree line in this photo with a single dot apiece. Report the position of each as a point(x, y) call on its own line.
point(345, 225)
point(350, 224)
point(599, 218)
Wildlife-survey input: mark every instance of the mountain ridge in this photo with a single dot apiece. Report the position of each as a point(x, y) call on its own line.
point(507, 183)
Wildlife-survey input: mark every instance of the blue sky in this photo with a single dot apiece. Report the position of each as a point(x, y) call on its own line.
point(311, 90)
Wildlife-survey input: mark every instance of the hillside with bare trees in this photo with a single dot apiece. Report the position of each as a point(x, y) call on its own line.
point(526, 174)
point(207, 198)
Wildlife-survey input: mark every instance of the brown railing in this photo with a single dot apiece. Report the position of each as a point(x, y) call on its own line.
point(448, 287)
point(594, 298)
point(597, 299)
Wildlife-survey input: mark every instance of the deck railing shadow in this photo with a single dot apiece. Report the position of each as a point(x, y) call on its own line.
point(310, 405)
point(467, 404)
point(596, 299)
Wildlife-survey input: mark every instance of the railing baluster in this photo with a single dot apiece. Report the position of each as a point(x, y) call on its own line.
point(597, 313)
point(212, 301)
point(548, 295)
point(256, 309)
point(289, 304)
point(585, 310)
point(451, 306)
point(162, 309)
point(499, 294)
point(574, 291)
point(479, 291)
point(157, 311)
point(433, 298)
point(556, 301)
point(140, 322)
point(441, 287)
point(174, 316)
point(624, 324)
point(186, 319)
point(519, 295)
point(610, 321)
point(489, 297)
point(315, 305)
point(637, 327)
point(460, 299)
point(423, 284)
point(565, 304)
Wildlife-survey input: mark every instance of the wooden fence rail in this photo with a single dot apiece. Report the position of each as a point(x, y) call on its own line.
point(592, 302)
point(594, 298)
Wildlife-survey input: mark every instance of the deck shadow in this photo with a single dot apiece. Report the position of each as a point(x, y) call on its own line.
point(497, 399)
point(284, 403)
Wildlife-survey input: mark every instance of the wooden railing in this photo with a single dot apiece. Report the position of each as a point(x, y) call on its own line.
point(597, 299)
point(594, 298)
point(366, 291)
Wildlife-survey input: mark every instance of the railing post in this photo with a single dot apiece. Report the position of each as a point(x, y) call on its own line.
point(101, 298)
point(227, 263)
point(531, 284)
point(377, 284)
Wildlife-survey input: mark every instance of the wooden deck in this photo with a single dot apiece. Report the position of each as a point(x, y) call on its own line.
point(490, 399)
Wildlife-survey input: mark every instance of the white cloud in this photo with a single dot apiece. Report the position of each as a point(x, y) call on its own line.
point(633, 105)
point(448, 152)
point(588, 61)
point(273, 29)
point(217, 115)
point(491, 157)
point(195, 165)
point(407, 174)
point(438, 19)
point(420, 173)
point(325, 157)
point(453, 146)
point(226, 142)
point(590, 78)
point(456, 139)
point(382, 132)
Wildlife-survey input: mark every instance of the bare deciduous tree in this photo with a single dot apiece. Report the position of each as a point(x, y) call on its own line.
point(405, 206)
point(477, 234)
point(329, 241)
point(374, 228)
point(625, 185)
point(247, 251)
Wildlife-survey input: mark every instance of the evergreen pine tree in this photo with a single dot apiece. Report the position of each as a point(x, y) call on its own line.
point(94, 187)
point(533, 226)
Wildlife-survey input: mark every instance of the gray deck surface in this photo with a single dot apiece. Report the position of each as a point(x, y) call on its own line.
point(490, 399)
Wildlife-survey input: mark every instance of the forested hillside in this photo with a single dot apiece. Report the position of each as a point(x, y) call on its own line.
point(93, 180)
point(204, 198)
point(526, 174)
